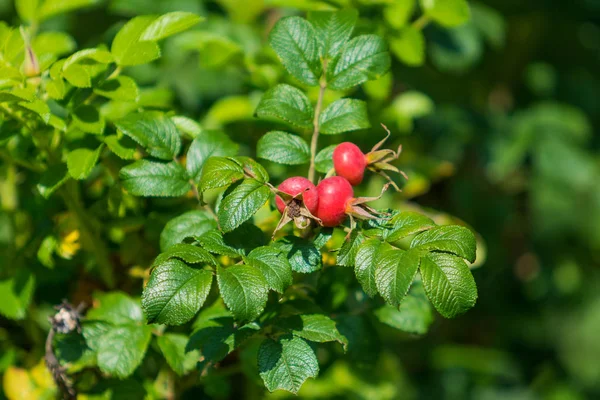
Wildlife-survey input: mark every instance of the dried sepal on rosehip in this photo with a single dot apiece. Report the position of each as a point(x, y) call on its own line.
point(350, 162)
point(297, 200)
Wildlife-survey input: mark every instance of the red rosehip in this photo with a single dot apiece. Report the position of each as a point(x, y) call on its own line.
point(297, 185)
point(349, 162)
point(335, 194)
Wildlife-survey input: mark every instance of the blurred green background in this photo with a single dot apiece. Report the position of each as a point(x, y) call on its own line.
point(498, 129)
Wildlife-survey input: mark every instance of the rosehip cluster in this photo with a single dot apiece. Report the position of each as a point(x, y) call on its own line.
point(332, 200)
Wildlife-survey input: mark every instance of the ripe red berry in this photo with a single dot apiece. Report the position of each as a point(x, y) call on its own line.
point(335, 193)
point(297, 185)
point(349, 162)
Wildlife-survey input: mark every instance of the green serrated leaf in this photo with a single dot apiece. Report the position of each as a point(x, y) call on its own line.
point(120, 349)
point(313, 327)
point(344, 115)
point(78, 76)
point(88, 119)
point(172, 346)
point(175, 292)
point(169, 24)
point(286, 363)
point(187, 225)
point(98, 55)
point(244, 290)
point(123, 147)
point(216, 333)
point(121, 88)
point(115, 332)
point(449, 284)
point(324, 159)
point(332, 29)
point(127, 47)
point(189, 253)
point(401, 225)
point(287, 104)
point(81, 161)
point(283, 148)
point(219, 172)
point(39, 108)
point(395, 273)
point(409, 46)
point(187, 126)
point(450, 239)
point(116, 308)
point(242, 203)
point(362, 59)
point(253, 168)
point(304, 257)
point(448, 13)
point(154, 131)
point(398, 13)
point(274, 265)
point(414, 316)
point(213, 242)
point(207, 144)
point(346, 256)
point(293, 39)
point(150, 179)
point(366, 262)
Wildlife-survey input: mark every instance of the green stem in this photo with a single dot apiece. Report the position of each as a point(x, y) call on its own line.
point(315, 136)
point(72, 198)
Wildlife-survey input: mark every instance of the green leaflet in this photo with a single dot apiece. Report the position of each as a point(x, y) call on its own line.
point(121, 88)
point(153, 131)
point(81, 161)
point(332, 29)
point(283, 148)
point(287, 104)
point(219, 172)
point(293, 39)
point(189, 253)
point(363, 58)
point(149, 178)
point(409, 46)
point(88, 119)
point(313, 327)
point(449, 284)
point(274, 266)
point(286, 363)
point(244, 290)
point(172, 346)
point(366, 261)
point(242, 203)
point(205, 145)
point(324, 159)
point(216, 333)
point(115, 331)
point(187, 225)
point(347, 253)
point(304, 257)
point(415, 314)
point(449, 13)
point(394, 274)
point(344, 115)
point(451, 239)
point(135, 44)
point(175, 292)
